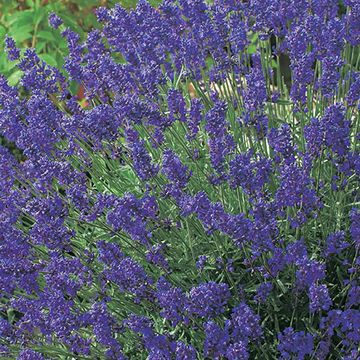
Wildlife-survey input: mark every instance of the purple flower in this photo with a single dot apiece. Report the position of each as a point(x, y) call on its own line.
point(249, 173)
point(346, 325)
point(237, 351)
point(216, 124)
point(40, 78)
point(101, 123)
point(315, 137)
point(245, 324)
point(103, 326)
point(54, 20)
point(185, 352)
point(337, 129)
point(49, 228)
point(13, 52)
point(353, 19)
point(130, 215)
point(155, 255)
point(255, 93)
point(263, 292)
point(141, 158)
point(295, 344)
point(309, 271)
point(230, 265)
point(319, 298)
point(216, 341)
point(323, 349)
point(29, 354)
point(130, 277)
point(296, 252)
point(139, 324)
point(238, 37)
point(177, 106)
point(194, 118)
point(208, 299)
point(172, 300)
point(5, 329)
point(158, 346)
point(296, 189)
point(281, 141)
point(335, 243)
point(353, 296)
point(175, 171)
point(201, 262)
point(110, 254)
point(220, 142)
point(65, 275)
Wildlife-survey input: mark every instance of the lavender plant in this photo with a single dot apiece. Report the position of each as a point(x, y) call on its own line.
point(195, 206)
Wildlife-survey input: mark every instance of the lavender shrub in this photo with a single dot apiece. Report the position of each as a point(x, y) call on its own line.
point(192, 206)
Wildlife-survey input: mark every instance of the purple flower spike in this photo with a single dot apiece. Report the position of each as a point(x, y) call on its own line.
point(13, 52)
point(54, 20)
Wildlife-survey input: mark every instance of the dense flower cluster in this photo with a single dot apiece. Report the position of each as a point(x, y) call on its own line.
point(196, 204)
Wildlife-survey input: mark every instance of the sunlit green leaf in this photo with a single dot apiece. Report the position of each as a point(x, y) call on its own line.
point(49, 59)
point(15, 77)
